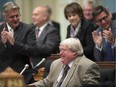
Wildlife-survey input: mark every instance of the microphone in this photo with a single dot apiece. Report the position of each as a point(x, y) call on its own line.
point(26, 67)
point(43, 60)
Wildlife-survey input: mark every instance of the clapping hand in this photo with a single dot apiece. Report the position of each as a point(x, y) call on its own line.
point(97, 38)
point(108, 35)
point(7, 36)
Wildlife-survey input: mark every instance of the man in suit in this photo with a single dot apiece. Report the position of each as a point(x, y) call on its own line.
point(80, 28)
point(88, 8)
point(15, 36)
point(104, 35)
point(82, 71)
point(48, 38)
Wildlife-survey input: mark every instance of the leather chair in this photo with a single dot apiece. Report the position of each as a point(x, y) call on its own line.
point(47, 67)
point(107, 71)
point(49, 62)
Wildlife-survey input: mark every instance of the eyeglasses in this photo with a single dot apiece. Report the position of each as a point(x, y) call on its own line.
point(105, 18)
point(14, 16)
point(64, 50)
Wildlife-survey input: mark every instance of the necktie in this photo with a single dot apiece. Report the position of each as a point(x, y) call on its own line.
point(37, 33)
point(63, 76)
point(109, 56)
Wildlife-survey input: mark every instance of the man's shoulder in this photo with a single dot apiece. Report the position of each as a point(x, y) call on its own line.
point(86, 62)
point(50, 28)
point(25, 26)
point(22, 24)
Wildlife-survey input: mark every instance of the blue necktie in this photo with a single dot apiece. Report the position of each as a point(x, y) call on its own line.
point(109, 56)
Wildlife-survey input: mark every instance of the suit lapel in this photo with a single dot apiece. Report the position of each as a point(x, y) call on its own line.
point(43, 33)
point(17, 31)
point(71, 71)
point(59, 68)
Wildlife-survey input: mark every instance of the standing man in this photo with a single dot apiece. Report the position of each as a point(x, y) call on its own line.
point(104, 37)
point(47, 38)
point(73, 69)
point(15, 36)
point(88, 8)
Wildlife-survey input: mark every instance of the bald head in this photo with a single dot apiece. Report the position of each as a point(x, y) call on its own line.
point(40, 16)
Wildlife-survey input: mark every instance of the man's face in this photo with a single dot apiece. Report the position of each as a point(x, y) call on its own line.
point(87, 10)
point(66, 54)
point(103, 20)
point(12, 17)
point(39, 16)
point(74, 19)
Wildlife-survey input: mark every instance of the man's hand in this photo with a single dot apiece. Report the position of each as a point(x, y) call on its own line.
point(4, 36)
point(7, 36)
point(10, 38)
point(97, 38)
point(108, 35)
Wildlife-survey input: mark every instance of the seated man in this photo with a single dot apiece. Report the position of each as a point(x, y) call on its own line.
point(104, 37)
point(80, 70)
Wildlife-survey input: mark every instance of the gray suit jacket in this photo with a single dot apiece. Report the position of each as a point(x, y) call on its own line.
point(100, 55)
point(47, 43)
point(83, 71)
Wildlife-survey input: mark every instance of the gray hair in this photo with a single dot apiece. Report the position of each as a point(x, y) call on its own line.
point(9, 6)
point(74, 45)
point(92, 3)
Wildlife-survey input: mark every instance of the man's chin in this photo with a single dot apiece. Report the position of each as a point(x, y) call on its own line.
point(64, 61)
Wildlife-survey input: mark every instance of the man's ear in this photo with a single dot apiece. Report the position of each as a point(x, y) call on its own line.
point(75, 53)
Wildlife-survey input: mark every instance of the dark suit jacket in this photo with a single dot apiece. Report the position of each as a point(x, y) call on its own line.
point(114, 16)
point(47, 43)
point(57, 26)
point(13, 56)
point(85, 37)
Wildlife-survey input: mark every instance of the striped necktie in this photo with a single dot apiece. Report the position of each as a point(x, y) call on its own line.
point(37, 33)
point(66, 68)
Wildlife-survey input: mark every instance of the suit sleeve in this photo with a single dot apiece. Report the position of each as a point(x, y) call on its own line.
point(98, 54)
point(47, 82)
point(49, 43)
point(91, 75)
point(26, 47)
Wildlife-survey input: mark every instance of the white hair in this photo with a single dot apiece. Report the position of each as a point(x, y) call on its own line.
point(73, 44)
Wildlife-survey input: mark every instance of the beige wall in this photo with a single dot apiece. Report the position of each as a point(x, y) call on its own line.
point(57, 6)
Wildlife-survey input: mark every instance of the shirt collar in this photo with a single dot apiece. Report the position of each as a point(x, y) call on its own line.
point(43, 27)
point(8, 27)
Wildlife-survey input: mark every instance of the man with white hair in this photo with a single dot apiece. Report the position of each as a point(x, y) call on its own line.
point(81, 70)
